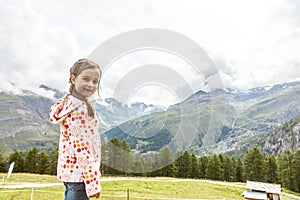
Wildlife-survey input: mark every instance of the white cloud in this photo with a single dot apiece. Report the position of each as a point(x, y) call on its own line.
point(252, 43)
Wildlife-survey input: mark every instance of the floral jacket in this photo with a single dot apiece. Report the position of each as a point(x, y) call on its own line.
point(79, 144)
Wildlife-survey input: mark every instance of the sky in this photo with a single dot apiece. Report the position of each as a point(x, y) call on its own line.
point(251, 43)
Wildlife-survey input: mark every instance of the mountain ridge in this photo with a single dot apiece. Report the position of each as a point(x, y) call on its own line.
point(249, 113)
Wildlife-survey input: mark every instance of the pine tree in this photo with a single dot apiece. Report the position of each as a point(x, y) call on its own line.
point(31, 160)
point(214, 168)
point(286, 177)
point(2, 163)
point(43, 163)
point(233, 167)
point(195, 172)
point(239, 177)
point(53, 161)
point(166, 162)
point(156, 168)
point(148, 165)
point(179, 164)
point(227, 168)
point(296, 170)
point(203, 164)
point(105, 159)
point(184, 165)
point(138, 167)
point(18, 158)
point(254, 165)
point(222, 161)
point(114, 156)
point(271, 169)
point(126, 158)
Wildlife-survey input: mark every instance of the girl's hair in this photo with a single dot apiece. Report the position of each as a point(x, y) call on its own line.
point(76, 69)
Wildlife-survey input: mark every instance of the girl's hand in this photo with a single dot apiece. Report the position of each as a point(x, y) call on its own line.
point(95, 195)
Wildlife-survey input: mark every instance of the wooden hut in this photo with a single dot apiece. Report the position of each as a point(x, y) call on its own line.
point(262, 191)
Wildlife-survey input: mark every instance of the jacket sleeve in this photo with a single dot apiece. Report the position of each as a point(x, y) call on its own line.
point(91, 173)
point(61, 109)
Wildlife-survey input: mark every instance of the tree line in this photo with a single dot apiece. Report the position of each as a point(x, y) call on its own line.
point(119, 159)
point(33, 161)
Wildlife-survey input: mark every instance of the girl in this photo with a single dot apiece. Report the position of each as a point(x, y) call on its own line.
point(79, 145)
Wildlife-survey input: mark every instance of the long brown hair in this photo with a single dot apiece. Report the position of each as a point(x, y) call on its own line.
point(76, 69)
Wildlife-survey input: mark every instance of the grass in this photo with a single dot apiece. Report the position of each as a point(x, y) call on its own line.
point(166, 189)
point(117, 188)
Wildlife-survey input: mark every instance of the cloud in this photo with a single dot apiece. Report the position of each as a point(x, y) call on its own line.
point(252, 43)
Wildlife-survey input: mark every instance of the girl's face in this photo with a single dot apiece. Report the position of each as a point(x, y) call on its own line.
point(86, 83)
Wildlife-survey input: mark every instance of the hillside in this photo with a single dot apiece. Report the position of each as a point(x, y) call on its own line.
point(24, 119)
point(23, 122)
point(216, 122)
point(202, 124)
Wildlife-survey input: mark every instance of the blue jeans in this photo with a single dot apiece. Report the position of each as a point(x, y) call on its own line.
point(75, 191)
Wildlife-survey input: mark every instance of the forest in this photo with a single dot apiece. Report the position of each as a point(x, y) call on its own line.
point(119, 160)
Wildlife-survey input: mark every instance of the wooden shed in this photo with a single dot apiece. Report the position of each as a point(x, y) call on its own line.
point(262, 191)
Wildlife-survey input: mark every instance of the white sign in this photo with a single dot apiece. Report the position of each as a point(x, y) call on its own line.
point(11, 167)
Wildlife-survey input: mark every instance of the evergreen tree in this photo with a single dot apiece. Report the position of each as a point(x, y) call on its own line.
point(271, 169)
point(296, 170)
point(43, 163)
point(138, 167)
point(148, 165)
point(104, 158)
point(18, 158)
point(227, 168)
point(254, 165)
point(156, 168)
point(233, 168)
point(239, 177)
point(166, 162)
point(31, 160)
point(184, 165)
point(126, 158)
point(114, 156)
point(286, 177)
point(195, 172)
point(2, 163)
point(53, 159)
point(179, 164)
point(222, 161)
point(214, 168)
point(203, 164)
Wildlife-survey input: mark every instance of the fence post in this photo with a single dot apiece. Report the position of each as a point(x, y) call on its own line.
point(31, 197)
point(128, 194)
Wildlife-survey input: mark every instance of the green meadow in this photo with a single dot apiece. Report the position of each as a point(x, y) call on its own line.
point(31, 186)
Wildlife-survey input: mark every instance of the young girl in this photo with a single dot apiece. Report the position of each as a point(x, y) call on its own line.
point(79, 145)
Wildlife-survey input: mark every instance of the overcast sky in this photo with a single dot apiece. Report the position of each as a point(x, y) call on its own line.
point(251, 43)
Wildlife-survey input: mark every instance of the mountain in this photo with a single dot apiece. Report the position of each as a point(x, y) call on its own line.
point(56, 93)
point(24, 122)
point(24, 118)
point(216, 122)
point(285, 137)
point(220, 121)
point(112, 112)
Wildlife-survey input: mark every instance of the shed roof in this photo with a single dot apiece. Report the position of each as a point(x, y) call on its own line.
point(254, 195)
point(264, 187)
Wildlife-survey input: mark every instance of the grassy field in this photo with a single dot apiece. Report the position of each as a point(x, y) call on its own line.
point(117, 188)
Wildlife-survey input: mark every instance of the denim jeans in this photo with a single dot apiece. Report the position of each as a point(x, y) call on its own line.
point(75, 191)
